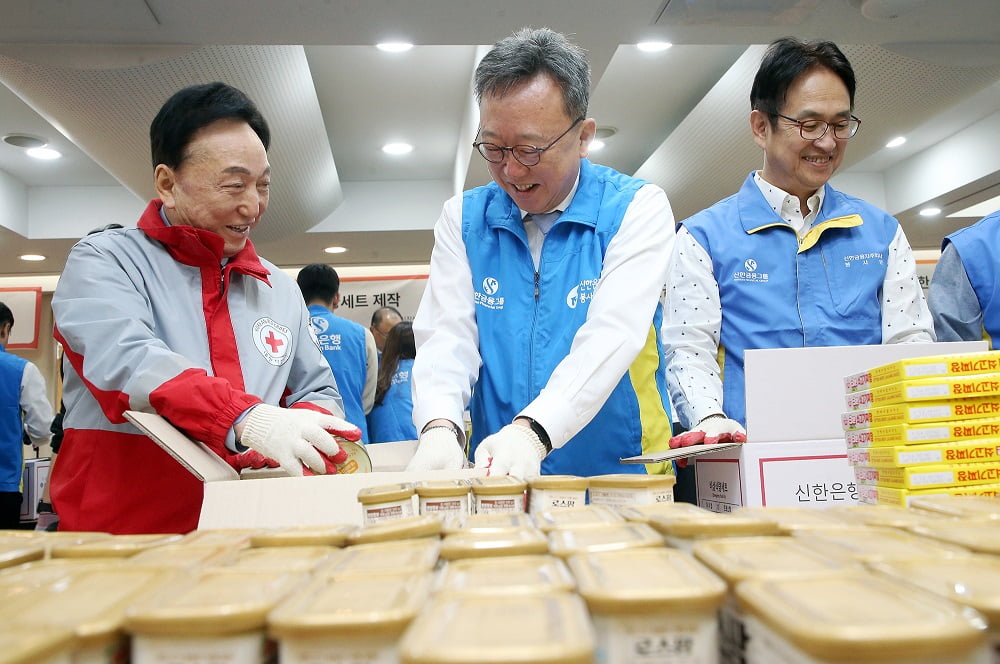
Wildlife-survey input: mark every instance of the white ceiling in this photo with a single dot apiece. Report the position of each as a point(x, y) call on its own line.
point(89, 76)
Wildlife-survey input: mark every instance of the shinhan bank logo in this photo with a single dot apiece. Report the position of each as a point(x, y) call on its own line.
point(491, 285)
point(750, 265)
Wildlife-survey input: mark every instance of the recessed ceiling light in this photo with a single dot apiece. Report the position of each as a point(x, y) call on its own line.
point(605, 131)
point(896, 142)
point(397, 148)
point(32, 257)
point(930, 212)
point(596, 144)
point(653, 46)
point(335, 250)
point(24, 141)
point(43, 153)
point(394, 47)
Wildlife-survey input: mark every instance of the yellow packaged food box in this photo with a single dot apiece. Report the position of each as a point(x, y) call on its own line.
point(506, 575)
point(954, 364)
point(856, 617)
point(977, 451)
point(963, 506)
point(934, 432)
point(921, 412)
point(884, 495)
point(926, 389)
point(412, 556)
point(929, 477)
point(643, 513)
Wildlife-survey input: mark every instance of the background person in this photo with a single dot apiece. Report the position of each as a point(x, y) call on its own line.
point(392, 417)
point(383, 320)
point(180, 317)
point(542, 307)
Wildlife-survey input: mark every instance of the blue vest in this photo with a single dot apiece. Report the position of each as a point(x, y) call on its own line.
point(780, 292)
point(11, 423)
point(392, 420)
point(343, 344)
point(977, 247)
point(527, 321)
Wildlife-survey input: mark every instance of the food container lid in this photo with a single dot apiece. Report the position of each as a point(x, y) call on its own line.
point(21, 646)
point(497, 485)
point(632, 481)
point(768, 556)
point(551, 628)
point(642, 513)
point(868, 544)
point(792, 518)
point(889, 516)
point(115, 546)
point(20, 552)
point(861, 617)
point(385, 493)
point(650, 579)
point(567, 541)
point(31, 575)
point(49, 540)
point(211, 602)
point(488, 522)
point(331, 607)
point(973, 581)
point(407, 556)
point(979, 535)
point(712, 524)
point(566, 482)
point(506, 575)
point(407, 527)
point(586, 515)
point(959, 506)
point(282, 559)
point(442, 488)
point(518, 542)
point(303, 536)
point(181, 556)
point(220, 536)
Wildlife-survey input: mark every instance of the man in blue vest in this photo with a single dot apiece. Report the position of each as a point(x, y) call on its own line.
point(964, 296)
point(787, 261)
point(542, 307)
point(23, 408)
point(348, 347)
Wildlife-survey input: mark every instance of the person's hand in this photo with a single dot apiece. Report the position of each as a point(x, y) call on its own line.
point(514, 450)
point(713, 429)
point(295, 438)
point(250, 459)
point(438, 448)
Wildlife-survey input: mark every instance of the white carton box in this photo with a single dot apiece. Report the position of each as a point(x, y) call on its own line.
point(275, 502)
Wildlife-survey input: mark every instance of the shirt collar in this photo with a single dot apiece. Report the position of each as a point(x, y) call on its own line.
point(787, 206)
point(564, 203)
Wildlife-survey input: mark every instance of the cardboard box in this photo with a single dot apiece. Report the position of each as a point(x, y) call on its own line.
point(35, 475)
point(274, 502)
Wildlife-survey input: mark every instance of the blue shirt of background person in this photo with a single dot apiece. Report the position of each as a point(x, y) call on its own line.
point(392, 417)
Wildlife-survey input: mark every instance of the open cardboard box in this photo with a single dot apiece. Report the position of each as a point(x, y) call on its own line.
point(273, 502)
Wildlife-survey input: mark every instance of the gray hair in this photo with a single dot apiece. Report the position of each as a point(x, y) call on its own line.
point(525, 54)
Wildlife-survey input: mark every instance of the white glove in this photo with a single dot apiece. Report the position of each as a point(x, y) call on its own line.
point(295, 437)
point(514, 450)
point(713, 429)
point(438, 449)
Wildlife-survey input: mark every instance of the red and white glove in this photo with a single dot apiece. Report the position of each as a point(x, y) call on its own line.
point(713, 429)
point(296, 437)
point(514, 450)
point(250, 459)
point(438, 448)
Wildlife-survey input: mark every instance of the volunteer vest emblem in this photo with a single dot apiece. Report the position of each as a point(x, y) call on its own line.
point(273, 340)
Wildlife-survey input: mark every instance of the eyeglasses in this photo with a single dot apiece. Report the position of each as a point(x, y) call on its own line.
point(813, 130)
point(526, 155)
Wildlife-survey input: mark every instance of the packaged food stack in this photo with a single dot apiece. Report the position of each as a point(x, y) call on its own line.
point(925, 426)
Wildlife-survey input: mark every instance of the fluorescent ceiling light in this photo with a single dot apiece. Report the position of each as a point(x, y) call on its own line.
point(335, 250)
point(32, 257)
point(43, 153)
point(653, 46)
point(397, 148)
point(394, 47)
point(930, 212)
point(979, 210)
point(896, 142)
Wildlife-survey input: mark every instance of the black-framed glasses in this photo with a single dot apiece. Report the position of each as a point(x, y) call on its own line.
point(526, 155)
point(813, 130)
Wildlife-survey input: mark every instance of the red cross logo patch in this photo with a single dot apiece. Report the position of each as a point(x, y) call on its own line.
point(273, 340)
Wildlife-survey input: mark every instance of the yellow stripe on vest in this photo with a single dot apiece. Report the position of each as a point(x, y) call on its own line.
point(653, 418)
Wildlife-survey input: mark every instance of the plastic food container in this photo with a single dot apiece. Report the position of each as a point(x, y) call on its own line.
point(972, 582)
point(506, 575)
point(410, 527)
point(20, 552)
point(966, 507)
point(408, 556)
point(385, 503)
point(239, 537)
point(890, 516)
point(114, 546)
point(683, 532)
point(625, 489)
point(181, 556)
point(872, 545)
point(652, 604)
point(282, 559)
point(593, 539)
point(216, 616)
point(858, 617)
point(302, 536)
point(522, 541)
point(737, 559)
point(49, 540)
point(575, 517)
point(482, 523)
point(444, 498)
point(347, 620)
point(498, 494)
point(551, 628)
point(20, 646)
point(979, 535)
point(790, 519)
point(643, 513)
point(548, 492)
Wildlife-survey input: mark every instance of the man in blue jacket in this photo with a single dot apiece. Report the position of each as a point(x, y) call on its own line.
point(542, 308)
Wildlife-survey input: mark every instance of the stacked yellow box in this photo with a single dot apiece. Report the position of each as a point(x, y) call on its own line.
point(925, 426)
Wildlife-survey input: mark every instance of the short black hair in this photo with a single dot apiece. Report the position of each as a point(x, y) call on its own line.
point(788, 58)
point(381, 312)
point(6, 315)
point(194, 107)
point(318, 281)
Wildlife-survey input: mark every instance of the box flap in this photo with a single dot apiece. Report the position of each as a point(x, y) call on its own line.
point(680, 452)
point(205, 464)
